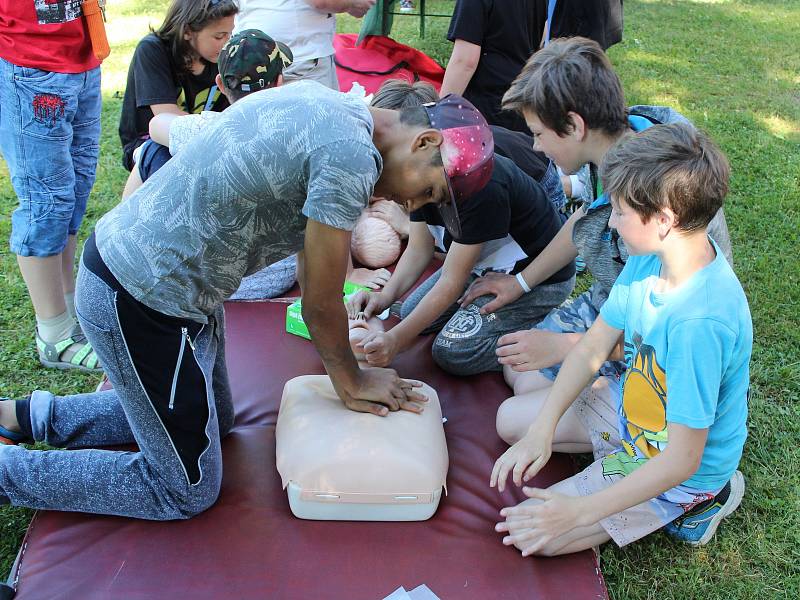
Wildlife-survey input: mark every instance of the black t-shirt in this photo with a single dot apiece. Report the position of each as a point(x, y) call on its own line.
point(511, 216)
point(508, 32)
point(599, 20)
point(518, 147)
point(154, 78)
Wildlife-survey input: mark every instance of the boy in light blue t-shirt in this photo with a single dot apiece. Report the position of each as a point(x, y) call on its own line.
point(668, 438)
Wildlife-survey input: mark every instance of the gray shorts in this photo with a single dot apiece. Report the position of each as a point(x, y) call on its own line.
point(596, 408)
point(322, 69)
point(467, 340)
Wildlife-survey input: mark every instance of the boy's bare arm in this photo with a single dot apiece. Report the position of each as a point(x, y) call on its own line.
point(411, 265)
point(679, 461)
point(458, 264)
point(506, 289)
point(159, 127)
point(525, 458)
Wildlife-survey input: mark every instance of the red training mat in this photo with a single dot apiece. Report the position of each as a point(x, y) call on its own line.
point(380, 58)
point(248, 545)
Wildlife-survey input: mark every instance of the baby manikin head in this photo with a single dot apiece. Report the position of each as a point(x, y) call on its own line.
point(374, 242)
point(359, 329)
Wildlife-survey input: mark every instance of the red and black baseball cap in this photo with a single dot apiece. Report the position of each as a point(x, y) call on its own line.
point(467, 153)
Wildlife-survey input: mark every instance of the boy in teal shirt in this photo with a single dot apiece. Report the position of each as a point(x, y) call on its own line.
point(668, 439)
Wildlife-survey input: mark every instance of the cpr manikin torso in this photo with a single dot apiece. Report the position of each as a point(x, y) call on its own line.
point(337, 464)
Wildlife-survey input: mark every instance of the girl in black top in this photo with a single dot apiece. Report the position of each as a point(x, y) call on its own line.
point(173, 68)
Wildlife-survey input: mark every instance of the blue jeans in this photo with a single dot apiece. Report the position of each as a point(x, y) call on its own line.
point(49, 136)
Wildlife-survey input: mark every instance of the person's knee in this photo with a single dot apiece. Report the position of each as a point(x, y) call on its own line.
point(530, 381)
point(456, 359)
point(406, 307)
point(509, 426)
point(200, 498)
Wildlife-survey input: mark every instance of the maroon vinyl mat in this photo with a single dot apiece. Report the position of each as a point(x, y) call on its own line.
point(249, 545)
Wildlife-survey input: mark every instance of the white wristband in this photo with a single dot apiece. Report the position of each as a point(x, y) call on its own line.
point(524, 284)
point(577, 186)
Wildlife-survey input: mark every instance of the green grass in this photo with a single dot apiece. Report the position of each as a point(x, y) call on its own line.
point(733, 67)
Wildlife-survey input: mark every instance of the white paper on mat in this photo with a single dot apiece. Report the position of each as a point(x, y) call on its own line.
point(421, 592)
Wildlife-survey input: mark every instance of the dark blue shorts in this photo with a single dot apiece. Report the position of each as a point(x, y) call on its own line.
point(152, 156)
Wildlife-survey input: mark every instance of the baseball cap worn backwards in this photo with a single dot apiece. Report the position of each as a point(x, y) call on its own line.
point(467, 153)
point(251, 61)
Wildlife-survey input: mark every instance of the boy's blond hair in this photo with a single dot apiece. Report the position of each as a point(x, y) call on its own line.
point(673, 166)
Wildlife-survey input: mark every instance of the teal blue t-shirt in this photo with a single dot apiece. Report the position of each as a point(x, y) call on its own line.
point(687, 353)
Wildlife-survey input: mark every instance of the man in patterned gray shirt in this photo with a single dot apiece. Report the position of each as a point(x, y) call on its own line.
point(283, 170)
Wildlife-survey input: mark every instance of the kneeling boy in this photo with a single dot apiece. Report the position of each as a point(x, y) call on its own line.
point(501, 228)
point(668, 440)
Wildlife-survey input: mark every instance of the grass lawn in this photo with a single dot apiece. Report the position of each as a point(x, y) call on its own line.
point(733, 67)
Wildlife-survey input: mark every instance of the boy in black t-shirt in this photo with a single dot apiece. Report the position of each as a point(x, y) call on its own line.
point(503, 228)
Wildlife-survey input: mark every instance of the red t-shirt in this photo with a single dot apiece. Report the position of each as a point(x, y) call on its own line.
point(46, 34)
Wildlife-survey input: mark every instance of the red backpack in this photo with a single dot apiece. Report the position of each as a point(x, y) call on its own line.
point(380, 58)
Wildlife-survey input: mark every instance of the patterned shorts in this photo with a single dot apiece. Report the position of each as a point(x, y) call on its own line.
point(596, 408)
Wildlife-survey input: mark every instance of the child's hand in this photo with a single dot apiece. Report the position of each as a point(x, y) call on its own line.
point(380, 348)
point(363, 305)
point(394, 214)
point(532, 349)
point(505, 289)
point(532, 526)
point(524, 459)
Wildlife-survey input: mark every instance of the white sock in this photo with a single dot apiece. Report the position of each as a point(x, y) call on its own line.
point(69, 299)
point(55, 329)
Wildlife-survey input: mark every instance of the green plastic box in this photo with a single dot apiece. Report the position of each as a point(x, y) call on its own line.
point(294, 312)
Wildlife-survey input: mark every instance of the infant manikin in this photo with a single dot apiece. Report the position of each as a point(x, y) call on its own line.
point(374, 242)
point(361, 327)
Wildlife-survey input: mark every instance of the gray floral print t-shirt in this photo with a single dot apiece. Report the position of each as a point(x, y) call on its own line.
point(236, 198)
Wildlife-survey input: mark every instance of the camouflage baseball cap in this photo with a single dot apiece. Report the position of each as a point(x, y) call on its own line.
point(251, 61)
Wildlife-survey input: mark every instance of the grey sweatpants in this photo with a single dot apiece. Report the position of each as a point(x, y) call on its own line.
point(467, 340)
point(177, 471)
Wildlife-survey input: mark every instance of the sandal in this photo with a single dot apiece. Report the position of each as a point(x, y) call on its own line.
point(74, 352)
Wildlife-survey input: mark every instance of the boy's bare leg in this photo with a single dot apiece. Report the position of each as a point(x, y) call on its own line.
point(43, 277)
point(68, 265)
point(516, 415)
point(523, 382)
point(8, 415)
point(133, 183)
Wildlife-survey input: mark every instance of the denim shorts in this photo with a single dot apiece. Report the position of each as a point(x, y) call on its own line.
point(49, 136)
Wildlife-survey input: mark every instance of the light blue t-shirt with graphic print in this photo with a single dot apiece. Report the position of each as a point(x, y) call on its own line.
point(687, 353)
point(237, 196)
